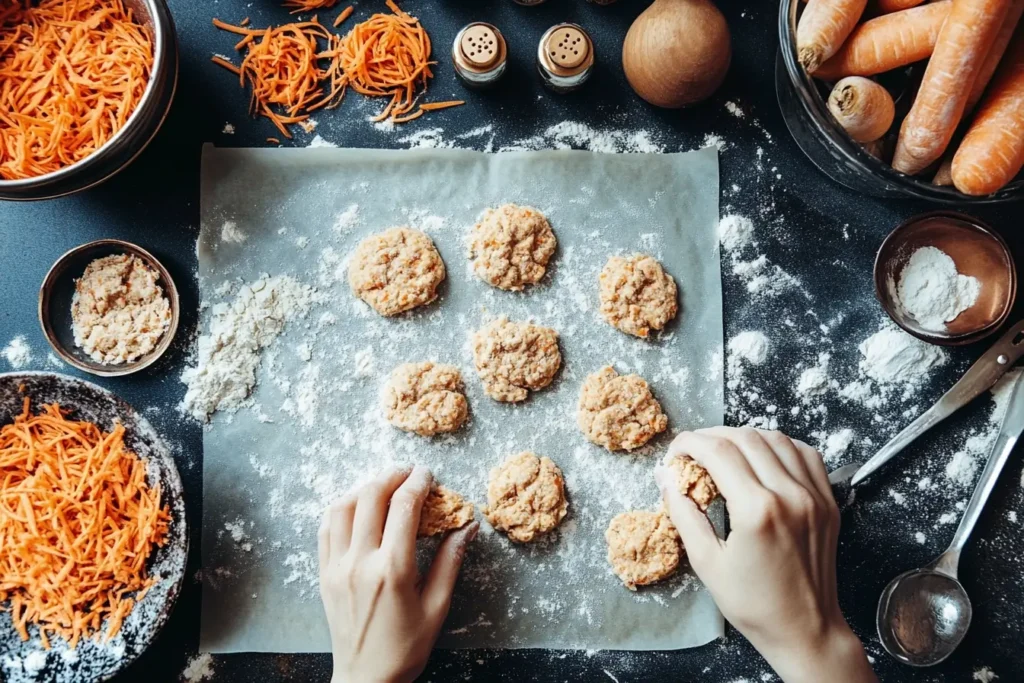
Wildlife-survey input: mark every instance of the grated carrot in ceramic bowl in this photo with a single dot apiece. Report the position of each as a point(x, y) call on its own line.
point(72, 72)
point(78, 522)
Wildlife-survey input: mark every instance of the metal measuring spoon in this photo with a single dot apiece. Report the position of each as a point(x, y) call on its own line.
point(923, 614)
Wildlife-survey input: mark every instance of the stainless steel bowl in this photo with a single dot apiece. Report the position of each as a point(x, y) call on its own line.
point(826, 144)
point(122, 148)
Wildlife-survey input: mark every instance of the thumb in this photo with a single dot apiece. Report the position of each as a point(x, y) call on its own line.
point(440, 581)
point(699, 538)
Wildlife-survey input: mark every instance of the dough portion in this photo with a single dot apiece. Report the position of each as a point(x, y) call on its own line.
point(526, 497)
point(511, 246)
point(396, 270)
point(443, 511)
point(425, 398)
point(619, 412)
point(643, 547)
point(513, 359)
point(637, 295)
point(692, 479)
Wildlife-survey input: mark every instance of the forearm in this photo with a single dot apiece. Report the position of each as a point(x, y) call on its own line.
point(839, 658)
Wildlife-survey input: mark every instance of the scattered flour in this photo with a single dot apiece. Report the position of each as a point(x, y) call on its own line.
point(347, 219)
point(735, 232)
point(836, 445)
point(229, 129)
point(200, 668)
point(229, 232)
point(814, 381)
point(932, 291)
point(984, 675)
point(891, 356)
point(318, 141)
point(17, 353)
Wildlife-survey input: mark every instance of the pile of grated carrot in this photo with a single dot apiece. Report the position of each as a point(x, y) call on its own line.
point(78, 522)
point(72, 72)
point(388, 55)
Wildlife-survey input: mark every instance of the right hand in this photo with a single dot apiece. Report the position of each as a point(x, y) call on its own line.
point(774, 577)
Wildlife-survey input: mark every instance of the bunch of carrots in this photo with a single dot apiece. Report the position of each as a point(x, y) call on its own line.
point(966, 123)
point(298, 68)
point(78, 522)
point(72, 72)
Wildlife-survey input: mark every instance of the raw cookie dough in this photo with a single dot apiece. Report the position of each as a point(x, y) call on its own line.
point(692, 479)
point(637, 295)
point(425, 398)
point(643, 547)
point(511, 246)
point(525, 497)
point(513, 359)
point(443, 511)
point(396, 270)
point(619, 412)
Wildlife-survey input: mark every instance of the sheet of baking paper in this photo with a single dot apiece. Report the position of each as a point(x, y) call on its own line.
point(314, 427)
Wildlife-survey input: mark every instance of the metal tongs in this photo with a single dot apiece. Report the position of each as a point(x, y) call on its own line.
point(981, 377)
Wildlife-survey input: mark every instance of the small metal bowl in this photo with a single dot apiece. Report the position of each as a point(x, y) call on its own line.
point(58, 289)
point(976, 249)
point(128, 142)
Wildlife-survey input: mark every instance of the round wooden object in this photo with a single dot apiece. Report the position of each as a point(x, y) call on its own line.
point(480, 46)
point(568, 47)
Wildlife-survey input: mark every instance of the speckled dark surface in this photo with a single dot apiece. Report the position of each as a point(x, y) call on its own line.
point(802, 218)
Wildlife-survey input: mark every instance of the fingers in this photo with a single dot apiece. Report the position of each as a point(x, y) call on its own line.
point(372, 508)
point(728, 468)
point(335, 533)
point(815, 468)
point(440, 581)
point(759, 453)
point(792, 459)
point(699, 537)
point(404, 513)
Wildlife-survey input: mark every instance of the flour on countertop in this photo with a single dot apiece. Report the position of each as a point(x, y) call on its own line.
point(229, 232)
point(932, 291)
point(984, 675)
point(318, 141)
point(891, 356)
point(735, 232)
point(17, 353)
point(814, 381)
point(199, 668)
point(229, 129)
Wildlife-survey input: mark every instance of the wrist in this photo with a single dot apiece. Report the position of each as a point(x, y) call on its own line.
point(834, 654)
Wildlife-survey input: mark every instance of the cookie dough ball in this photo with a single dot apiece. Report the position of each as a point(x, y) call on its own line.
point(511, 246)
point(513, 359)
point(396, 270)
point(526, 497)
point(692, 479)
point(637, 295)
point(643, 547)
point(425, 398)
point(619, 412)
point(443, 511)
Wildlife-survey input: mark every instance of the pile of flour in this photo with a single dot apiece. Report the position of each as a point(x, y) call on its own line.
point(932, 291)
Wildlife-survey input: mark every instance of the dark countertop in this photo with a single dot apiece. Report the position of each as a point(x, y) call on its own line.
point(814, 229)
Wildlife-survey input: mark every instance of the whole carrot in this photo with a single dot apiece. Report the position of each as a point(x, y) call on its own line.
point(862, 107)
point(992, 152)
point(995, 54)
point(887, 6)
point(888, 42)
point(959, 54)
point(823, 27)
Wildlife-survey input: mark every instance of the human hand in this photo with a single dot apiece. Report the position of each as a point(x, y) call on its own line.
point(774, 577)
point(383, 620)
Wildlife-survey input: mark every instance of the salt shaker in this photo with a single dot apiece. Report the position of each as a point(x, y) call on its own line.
point(565, 57)
point(479, 53)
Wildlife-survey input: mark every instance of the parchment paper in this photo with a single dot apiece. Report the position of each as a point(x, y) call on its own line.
point(265, 482)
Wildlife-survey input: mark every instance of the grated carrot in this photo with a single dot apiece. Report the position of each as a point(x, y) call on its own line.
point(78, 522)
point(342, 16)
point(434, 106)
point(71, 75)
point(309, 5)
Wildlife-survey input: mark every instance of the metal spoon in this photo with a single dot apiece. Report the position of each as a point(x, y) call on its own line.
point(923, 614)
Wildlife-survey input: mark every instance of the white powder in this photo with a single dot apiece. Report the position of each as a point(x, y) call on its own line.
point(229, 353)
point(920, 537)
point(750, 346)
point(963, 465)
point(200, 668)
point(735, 232)
point(229, 232)
point(836, 445)
point(318, 141)
point(891, 356)
point(17, 353)
point(229, 129)
point(814, 381)
point(984, 675)
point(932, 291)
point(347, 219)
point(735, 110)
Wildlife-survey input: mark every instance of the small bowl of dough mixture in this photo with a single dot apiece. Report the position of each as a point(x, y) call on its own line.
point(109, 308)
point(946, 278)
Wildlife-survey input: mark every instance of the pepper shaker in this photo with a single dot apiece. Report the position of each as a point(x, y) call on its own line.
point(565, 57)
point(479, 53)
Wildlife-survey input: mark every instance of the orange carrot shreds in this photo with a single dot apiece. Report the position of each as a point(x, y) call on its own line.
point(388, 55)
point(71, 75)
point(282, 67)
point(217, 59)
point(78, 521)
point(309, 5)
point(434, 106)
point(274, 141)
point(342, 16)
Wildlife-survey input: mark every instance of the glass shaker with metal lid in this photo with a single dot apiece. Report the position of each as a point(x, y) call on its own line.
point(479, 53)
point(565, 57)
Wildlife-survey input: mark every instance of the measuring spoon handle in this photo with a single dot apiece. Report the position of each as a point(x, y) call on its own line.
point(1009, 434)
point(981, 376)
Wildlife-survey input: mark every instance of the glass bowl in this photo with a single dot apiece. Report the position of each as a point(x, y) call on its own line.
point(827, 145)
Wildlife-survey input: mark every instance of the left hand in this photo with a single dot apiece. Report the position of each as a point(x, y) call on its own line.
point(383, 624)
